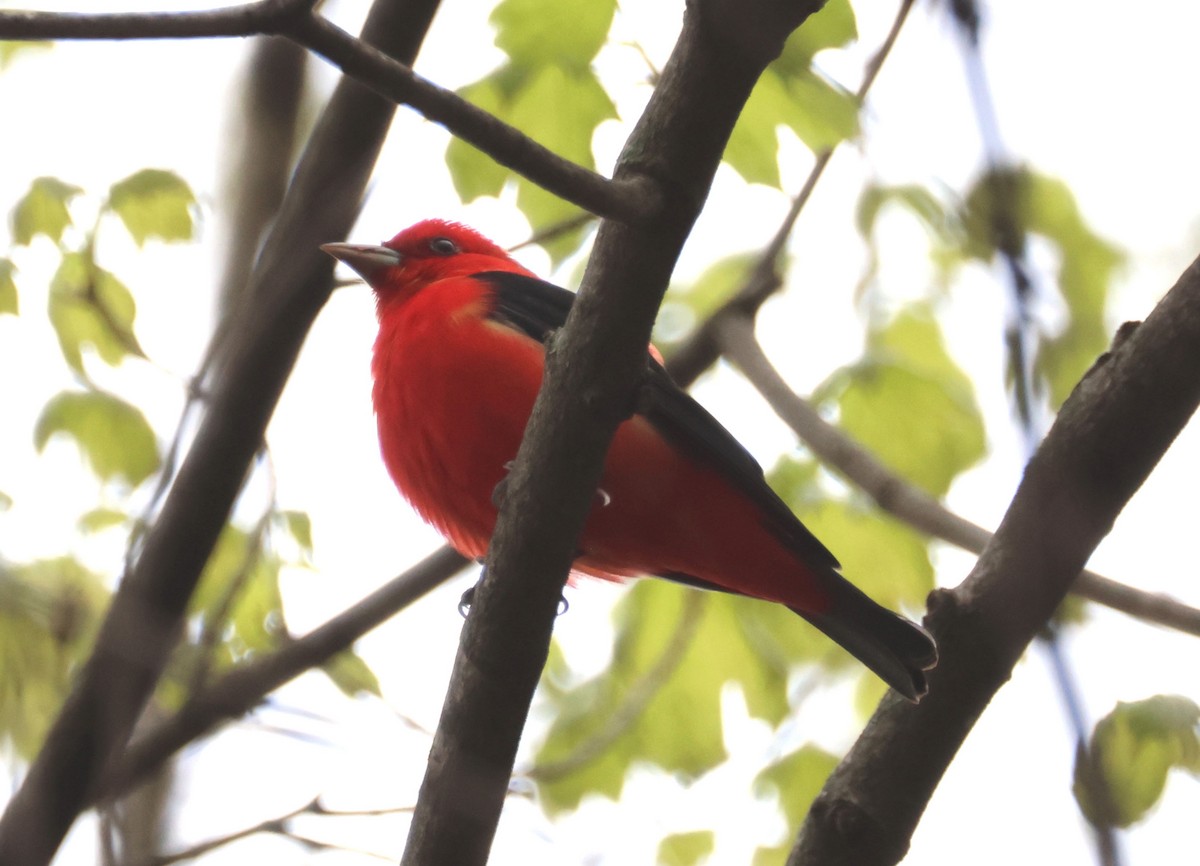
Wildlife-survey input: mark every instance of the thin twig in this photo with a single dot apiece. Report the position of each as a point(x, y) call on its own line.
point(241, 689)
point(699, 351)
point(278, 825)
point(906, 501)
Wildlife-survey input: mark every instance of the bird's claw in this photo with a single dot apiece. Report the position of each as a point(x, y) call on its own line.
point(464, 602)
point(468, 597)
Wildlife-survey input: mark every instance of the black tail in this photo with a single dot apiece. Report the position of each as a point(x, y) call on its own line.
point(897, 650)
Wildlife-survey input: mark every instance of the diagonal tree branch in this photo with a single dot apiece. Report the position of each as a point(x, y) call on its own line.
point(906, 501)
point(240, 690)
point(290, 284)
point(631, 199)
point(1089, 465)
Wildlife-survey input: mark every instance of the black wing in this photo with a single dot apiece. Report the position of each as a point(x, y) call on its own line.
point(537, 308)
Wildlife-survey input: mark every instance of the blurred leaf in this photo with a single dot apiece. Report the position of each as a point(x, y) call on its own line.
point(113, 436)
point(686, 849)
point(536, 33)
point(833, 26)
point(792, 94)
point(49, 612)
point(89, 306)
point(939, 220)
point(9, 49)
point(241, 584)
point(99, 519)
point(475, 173)
point(909, 404)
point(548, 90)
point(883, 556)
point(796, 778)
point(795, 480)
point(711, 289)
point(1132, 749)
point(154, 204)
point(998, 212)
point(6, 501)
point(560, 110)
point(8, 287)
point(350, 673)
point(739, 640)
point(43, 210)
point(299, 527)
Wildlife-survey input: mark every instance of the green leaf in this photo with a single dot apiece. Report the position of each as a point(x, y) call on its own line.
point(99, 519)
point(154, 204)
point(113, 436)
point(880, 554)
point(43, 210)
point(350, 673)
point(536, 33)
point(909, 403)
point(936, 217)
point(560, 110)
point(998, 212)
point(729, 639)
point(299, 526)
point(6, 501)
point(796, 779)
point(1131, 751)
point(8, 287)
point(475, 173)
point(711, 289)
point(686, 849)
point(49, 612)
point(10, 49)
point(89, 306)
point(834, 26)
point(238, 595)
point(558, 106)
point(790, 93)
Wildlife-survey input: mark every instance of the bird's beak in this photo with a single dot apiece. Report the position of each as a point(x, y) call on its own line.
point(367, 261)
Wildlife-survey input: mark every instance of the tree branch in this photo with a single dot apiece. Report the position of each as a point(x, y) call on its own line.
point(290, 284)
point(243, 688)
point(1089, 465)
point(632, 199)
point(592, 370)
point(265, 16)
point(909, 503)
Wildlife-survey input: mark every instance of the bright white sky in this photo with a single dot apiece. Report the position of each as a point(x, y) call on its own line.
point(1084, 91)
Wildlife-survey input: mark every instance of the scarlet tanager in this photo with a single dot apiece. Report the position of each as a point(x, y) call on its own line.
point(457, 365)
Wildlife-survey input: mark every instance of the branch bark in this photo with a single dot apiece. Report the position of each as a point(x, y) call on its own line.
point(1091, 462)
point(290, 284)
point(592, 371)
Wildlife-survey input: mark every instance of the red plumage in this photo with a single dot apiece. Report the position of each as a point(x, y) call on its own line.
point(457, 365)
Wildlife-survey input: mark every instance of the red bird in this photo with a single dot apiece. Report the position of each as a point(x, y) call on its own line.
point(457, 366)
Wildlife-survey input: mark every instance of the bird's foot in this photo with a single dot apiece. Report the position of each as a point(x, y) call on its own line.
point(468, 597)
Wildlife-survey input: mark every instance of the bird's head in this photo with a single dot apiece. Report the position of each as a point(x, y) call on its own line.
point(427, 251)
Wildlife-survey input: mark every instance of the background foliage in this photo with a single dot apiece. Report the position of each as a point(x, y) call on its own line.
point(680, 674)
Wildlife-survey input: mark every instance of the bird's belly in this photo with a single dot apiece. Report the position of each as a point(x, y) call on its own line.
point(450, 422)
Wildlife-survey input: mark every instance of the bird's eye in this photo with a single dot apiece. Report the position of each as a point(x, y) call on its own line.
point(443, 246)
